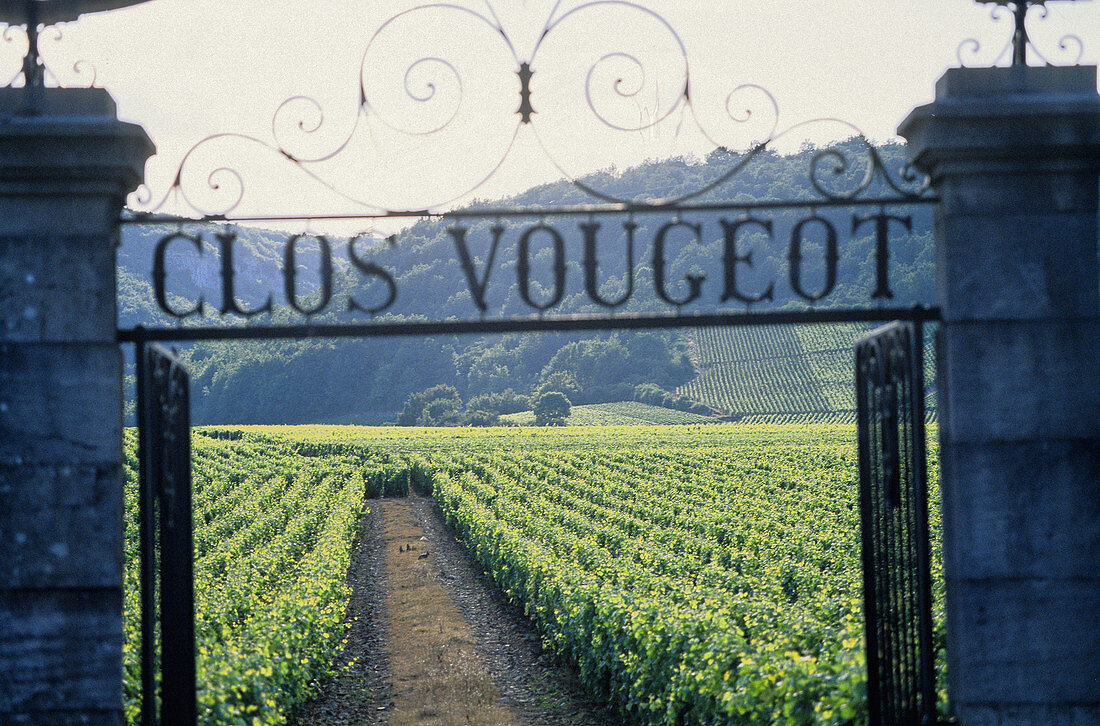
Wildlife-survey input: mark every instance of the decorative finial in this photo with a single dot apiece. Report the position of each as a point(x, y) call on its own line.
point(525, 108)
point(35, 14)
point(1020, 39)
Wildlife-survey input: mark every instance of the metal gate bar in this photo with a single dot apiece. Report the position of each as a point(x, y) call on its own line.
point(897, 589)
point(164, 441)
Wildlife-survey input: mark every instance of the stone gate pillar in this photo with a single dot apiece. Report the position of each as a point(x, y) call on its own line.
point(1014, 154)
point(65, 168)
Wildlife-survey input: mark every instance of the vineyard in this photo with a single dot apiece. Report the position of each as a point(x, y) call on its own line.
point(273, 535)
point(788, 374)
point(622, 413)
point(692, 574)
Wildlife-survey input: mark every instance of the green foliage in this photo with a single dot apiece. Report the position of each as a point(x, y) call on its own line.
point(656, 396)
point(441, 406)
point(505, 402)
point(551, 409)
point(364, 382)
point(273, 534)
point(603, 370)
point(693, 575)
point(710, 587)
point(562, 381)
point(436, 406)
point(481, 417)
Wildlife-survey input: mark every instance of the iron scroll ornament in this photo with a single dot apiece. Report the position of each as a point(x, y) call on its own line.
point(432, 90)
point(48, 13)
point(1020, 42)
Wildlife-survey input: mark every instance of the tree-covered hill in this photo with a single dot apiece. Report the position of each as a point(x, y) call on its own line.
point(369, 380)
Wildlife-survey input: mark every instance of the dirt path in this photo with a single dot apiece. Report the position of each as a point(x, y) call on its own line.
point(435, 642)
point(438, 676)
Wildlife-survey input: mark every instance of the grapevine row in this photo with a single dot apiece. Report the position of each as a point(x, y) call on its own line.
point(708, 576)
point(273, 533)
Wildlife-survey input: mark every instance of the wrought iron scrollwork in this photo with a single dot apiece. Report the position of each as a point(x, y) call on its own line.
point(41, 18)
point(436, 96)
point(35, 69)
point(10, 37)
point(836, 162)
point(1020, 42)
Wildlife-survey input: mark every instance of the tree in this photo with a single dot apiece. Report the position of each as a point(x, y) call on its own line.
point(444, 411)
point(436, 406)
point(562, 382)
point(600, 370)
point(551, 409)
point(481, 417)
point(507, 401)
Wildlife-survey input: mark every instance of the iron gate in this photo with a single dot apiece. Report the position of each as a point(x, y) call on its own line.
point(897, 592)
point(164, 501)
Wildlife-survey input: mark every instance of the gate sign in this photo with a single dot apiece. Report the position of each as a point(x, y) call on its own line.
point(548, 254)
point(810, 230)
point(766, 262)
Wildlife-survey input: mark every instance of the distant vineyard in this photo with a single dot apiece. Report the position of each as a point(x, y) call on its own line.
point(788, 374)
point(623, 413)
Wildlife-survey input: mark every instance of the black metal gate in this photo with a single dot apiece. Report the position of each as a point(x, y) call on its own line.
point(164, 440)
point(897, 592)
point(894, 519)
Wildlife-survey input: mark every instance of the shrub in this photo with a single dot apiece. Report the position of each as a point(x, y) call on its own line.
point(551, 409)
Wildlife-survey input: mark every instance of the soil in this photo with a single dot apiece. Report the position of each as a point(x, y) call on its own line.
point(433, 642)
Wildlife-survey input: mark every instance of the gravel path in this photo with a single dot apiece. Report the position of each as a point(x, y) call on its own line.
point(530, 680)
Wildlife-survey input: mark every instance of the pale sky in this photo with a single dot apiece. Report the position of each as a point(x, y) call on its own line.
point(189, 69)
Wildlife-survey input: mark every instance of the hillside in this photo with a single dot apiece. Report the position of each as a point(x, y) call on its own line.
point(369, 381)
point(788, 374)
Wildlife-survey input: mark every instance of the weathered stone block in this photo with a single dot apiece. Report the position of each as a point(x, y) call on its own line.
point(60, 403)
point(54, 299)
point(94, 214)
point(992, 121)
point(1020, 381)
point(1018, 267)
point(63, 526)
point(1026, 641)
point(1021, 714)
point(67, 644)
point(1025, 82)
point(1030, 509)
point(73, 146)
point(1019, 191)
point(82, 717)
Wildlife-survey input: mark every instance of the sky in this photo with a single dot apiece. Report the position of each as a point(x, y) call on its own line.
point(440, 126)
